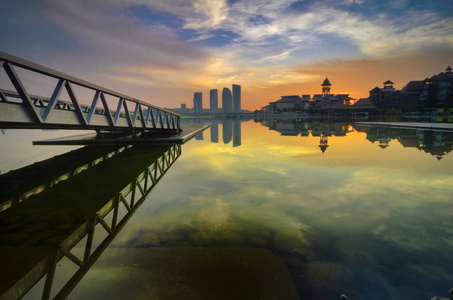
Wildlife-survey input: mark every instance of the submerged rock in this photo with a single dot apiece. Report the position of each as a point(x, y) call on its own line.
point(290, 243)
point(326, 280)
point(189, 273)
point(359, 252)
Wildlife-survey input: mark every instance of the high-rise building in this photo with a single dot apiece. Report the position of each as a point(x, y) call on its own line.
point(197, 102)
point(236, 98)
point(227, 102)
point(213, 100)
point(183, 108)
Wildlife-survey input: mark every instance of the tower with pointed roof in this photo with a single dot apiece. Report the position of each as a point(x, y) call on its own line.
point(326, 87)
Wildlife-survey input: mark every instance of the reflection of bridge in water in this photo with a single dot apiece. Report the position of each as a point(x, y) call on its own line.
point(66, 208)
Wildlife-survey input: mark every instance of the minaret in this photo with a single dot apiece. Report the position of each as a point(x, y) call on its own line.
point(326, 87)
point(388, 84)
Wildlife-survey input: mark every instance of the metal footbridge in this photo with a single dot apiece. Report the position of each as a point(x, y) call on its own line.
point(90, 107)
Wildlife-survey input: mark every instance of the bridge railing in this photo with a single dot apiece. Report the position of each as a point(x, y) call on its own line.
point(33, 111)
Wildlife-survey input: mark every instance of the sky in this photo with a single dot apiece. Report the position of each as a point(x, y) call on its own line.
point(162, 51)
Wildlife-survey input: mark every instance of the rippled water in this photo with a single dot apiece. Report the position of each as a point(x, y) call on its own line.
point(281, 209)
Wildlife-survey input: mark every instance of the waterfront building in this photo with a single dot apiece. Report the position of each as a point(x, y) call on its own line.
point(305, 101)
point(183, 108)
point(236, 98)
point(227, 102)
point(213, 101)
point(385, 94)
point(291, 102)
point(330, 103)
point(197, 102)
point(438, 91)
point(362, 108)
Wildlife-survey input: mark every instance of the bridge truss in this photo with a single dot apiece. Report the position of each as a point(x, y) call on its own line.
point(107, 110)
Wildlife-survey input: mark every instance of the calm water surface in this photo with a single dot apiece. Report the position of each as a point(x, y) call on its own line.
point(270, 209)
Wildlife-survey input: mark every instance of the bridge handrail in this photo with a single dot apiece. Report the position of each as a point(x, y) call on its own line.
point(29, 65)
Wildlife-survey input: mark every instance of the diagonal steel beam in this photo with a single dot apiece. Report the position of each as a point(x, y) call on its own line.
point(77, 107)
point(53, 100)
point(136, 110)
point(20, 89)
point(153, 119)
point(128, 115)
point(118, 110)
point(142, 116)
point(107, 110)
point(93, 106)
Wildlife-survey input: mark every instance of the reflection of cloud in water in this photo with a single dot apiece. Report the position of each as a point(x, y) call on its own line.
point(213, 213)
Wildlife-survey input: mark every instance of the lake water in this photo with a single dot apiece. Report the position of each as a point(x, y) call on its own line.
point(249, 209)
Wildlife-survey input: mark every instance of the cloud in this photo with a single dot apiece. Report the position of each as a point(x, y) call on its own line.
point(209, 14)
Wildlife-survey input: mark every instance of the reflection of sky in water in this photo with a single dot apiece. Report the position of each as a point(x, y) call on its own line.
point(17, 151)
point(384, 215)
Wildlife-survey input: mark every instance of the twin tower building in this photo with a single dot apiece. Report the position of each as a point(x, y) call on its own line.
point(231, 102)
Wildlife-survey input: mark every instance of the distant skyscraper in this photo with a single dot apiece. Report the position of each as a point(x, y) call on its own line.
point(197, 102)
point(214, 101)
point(183, 108)
point(236, 98)
point(227, 102)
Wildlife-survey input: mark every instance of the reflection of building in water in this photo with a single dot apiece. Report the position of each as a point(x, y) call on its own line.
point(231, 130)
point(294, 127)
point(323, 143)
point(436, 143)
point(199, 136)
point(236, 133)
point(384, 142)
point(227, 126)
point(214, 132)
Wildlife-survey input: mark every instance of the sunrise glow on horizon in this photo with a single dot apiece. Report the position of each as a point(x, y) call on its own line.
point(162, 51)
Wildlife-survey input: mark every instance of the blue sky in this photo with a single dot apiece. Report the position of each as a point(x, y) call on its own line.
point(162, 51)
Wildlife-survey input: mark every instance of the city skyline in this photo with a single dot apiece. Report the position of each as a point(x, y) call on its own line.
point(161, 51)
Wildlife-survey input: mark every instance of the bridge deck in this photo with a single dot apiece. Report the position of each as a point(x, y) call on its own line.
point(188, 131)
